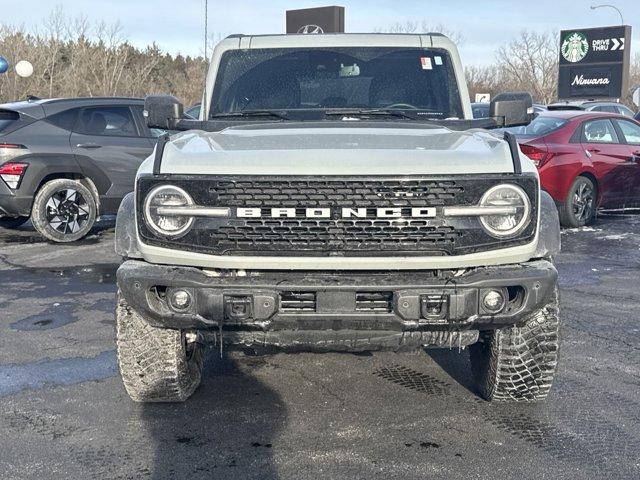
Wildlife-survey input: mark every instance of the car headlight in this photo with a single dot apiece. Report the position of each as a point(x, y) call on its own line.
point(167, 196)
point(512, 223)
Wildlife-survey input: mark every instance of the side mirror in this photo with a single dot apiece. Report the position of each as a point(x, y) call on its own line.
point(512, 109)
point(162, 111)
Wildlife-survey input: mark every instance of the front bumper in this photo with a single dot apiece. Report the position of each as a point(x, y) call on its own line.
point(337, 310)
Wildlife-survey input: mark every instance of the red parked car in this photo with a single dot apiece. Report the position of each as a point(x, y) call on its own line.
point(587, 161)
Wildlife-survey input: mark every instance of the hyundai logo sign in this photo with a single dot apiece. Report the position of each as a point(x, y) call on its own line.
point(310, 29)
point(316, 20)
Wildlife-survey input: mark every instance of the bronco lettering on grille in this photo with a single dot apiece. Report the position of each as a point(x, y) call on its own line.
point(320, 212)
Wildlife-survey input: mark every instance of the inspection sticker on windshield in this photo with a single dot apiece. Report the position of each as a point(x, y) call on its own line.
point(437, 59)
point(426, 63)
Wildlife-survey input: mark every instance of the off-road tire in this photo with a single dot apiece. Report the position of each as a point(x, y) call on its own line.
point(12, 222)
point(568, 216)
point(39, 212)
point(517, 364)
point(156, 364)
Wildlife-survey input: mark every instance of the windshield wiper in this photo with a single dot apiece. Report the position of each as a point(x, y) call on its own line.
point(388, 112)
point(251, 113)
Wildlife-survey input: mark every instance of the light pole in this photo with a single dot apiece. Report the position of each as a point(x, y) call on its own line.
point(593, 7)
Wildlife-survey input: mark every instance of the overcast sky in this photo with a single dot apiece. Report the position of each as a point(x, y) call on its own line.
point(177, 26)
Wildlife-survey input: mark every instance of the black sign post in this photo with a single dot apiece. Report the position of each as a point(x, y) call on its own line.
point(316, 20)
point(594, 63)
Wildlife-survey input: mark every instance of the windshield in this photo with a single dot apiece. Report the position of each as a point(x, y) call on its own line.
point(538, 127)
point(413, 79)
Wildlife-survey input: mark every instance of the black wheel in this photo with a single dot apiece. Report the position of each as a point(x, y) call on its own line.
point(63, 210)
point(156, 364)
point(517, 364)
point(12, 222)
point(579, 208)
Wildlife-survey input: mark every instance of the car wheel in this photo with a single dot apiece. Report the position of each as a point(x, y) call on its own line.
point(517, 364)
point(579, 208)
point(12, 222)
point(156, 364)
point(63, 210)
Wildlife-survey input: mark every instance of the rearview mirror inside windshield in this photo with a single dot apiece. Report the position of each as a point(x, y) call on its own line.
point(349, 70)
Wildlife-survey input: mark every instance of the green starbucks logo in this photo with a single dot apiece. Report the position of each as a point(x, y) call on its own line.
point(574, 47)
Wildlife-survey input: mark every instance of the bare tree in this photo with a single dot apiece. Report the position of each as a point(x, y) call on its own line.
point(73, 57)
point(530, 63)
point(109, 57)
point(54, 26)
point(634, 81)
point(422, 27)
point(483, 80)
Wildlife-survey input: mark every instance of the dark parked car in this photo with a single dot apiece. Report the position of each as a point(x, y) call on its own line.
point(587, 161)
point(64, 162)
point(480, 109)
point(593, 106)
point(539, 108)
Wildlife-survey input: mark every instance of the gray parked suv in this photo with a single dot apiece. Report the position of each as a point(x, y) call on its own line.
point(64, 162)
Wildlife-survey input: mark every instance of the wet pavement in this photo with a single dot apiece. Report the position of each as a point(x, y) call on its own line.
point(64, 412)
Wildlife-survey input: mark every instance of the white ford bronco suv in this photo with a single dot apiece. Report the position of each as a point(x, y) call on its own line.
point(336, 195)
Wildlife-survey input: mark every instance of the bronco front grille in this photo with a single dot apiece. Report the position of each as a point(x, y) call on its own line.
point(345, 235)
point(335, 235)
point(341, 193)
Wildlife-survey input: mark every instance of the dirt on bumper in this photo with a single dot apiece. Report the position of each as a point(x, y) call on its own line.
point(349, 311)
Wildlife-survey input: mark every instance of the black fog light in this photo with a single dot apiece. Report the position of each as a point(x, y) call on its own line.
point(180, 299)
point(493, 301)
point(237, 307)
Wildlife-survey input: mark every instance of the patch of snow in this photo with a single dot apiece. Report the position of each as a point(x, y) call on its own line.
point(618, 236)
point(581, 229)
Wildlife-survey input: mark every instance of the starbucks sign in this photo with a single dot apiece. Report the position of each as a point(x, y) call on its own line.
point(594, 63)
point(574, 47)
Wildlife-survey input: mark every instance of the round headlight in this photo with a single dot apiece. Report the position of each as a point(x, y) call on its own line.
point(167, 196)
point(509, 224)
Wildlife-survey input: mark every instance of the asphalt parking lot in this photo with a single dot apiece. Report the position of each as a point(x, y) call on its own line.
point(65, 414)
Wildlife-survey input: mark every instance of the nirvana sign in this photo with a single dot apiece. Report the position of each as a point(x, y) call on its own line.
point(594, 62)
